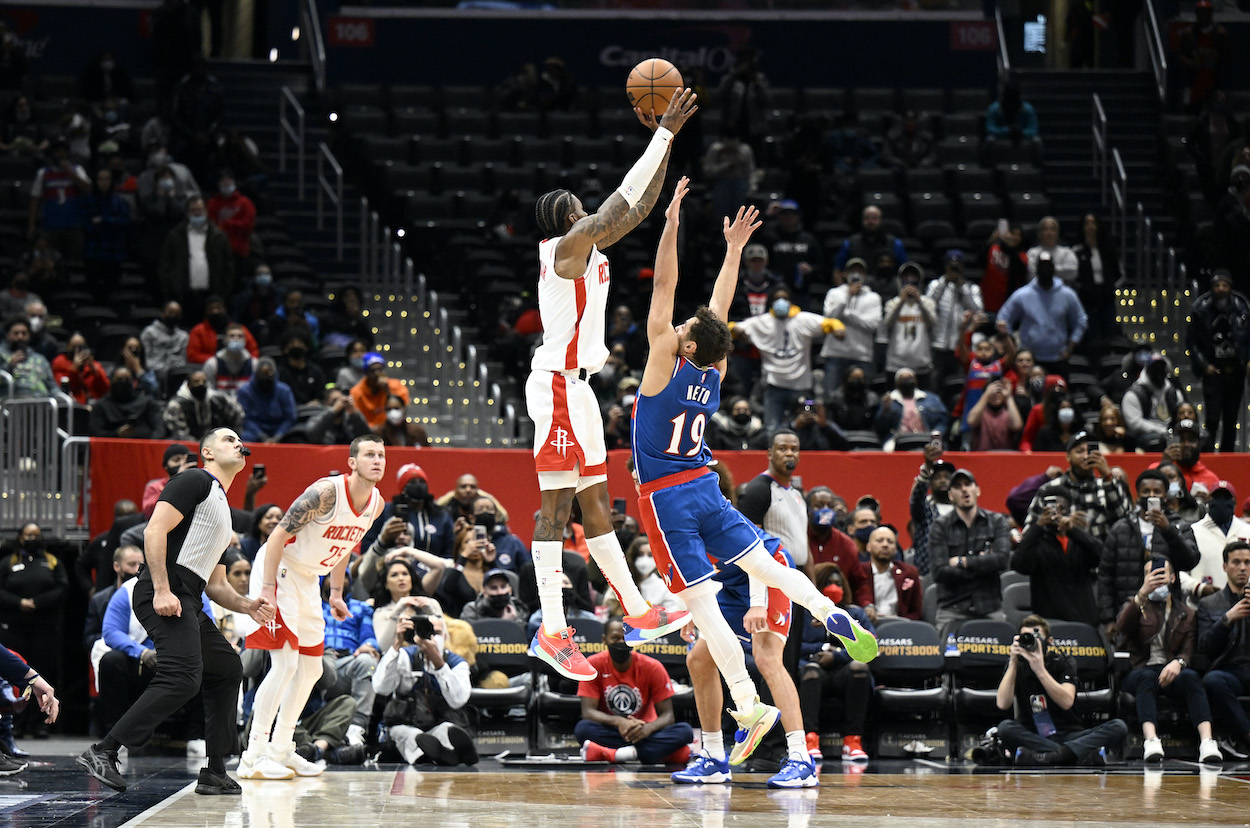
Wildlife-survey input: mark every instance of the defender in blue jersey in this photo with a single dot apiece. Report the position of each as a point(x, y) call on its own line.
point(686, 518)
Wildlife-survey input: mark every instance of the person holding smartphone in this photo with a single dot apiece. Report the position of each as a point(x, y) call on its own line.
point(1060, 558)
point(428, 687)
point(463, 582)
point(1153, 530)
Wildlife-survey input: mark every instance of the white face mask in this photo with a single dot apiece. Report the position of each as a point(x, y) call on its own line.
point(35, 323)
point(395, 416)
point(645, 564)
point(438, 642)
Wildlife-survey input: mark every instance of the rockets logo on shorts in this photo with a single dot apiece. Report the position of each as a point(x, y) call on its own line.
point(562, 443)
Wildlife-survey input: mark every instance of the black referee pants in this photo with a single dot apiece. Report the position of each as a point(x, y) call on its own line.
point(192, 655)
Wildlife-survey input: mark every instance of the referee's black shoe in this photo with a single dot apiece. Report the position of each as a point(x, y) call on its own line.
point(102, 764)
point(10, 765)
point(214, 784)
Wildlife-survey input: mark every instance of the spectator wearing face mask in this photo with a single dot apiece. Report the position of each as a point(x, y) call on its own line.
point(197, 408)
point(853, 405)
point(160, 163)
point(431, 527)
point(908, 410)
point(78, 371)
point(1151, 531)
point(352, 370)
point(196, 261)
point(232, 366)
point(127, 411)
point(1218, 341)
point(784, 337)
point(1060, 427)
point(268, 405)
point(36, 313)
point(576, 607)
point(641, 565)
point(1185, 450)
point(165, 341)
point(293, 316)
point(1047, 314)
point(258, 300)
point(1212, 533)
point(235, 214)
point(1052, 391)
point(859, 308)
point(496, 601)
point(371, 393)
point(510, 552)
point(1150, 403)
point(907, 326)
point(176, 458)
point(737, 429)
point(305, 378)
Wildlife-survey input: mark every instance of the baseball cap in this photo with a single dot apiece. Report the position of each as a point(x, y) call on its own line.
point(954, 255)
point(788, 204)
point(868, 502)
point(1224, 488)
point(944, 465)
point(910, 266)
point(755, 251)
point(1199, 488)
point(1055, 381)
point(372, 360)
point(963, 473)
point(1220, 274)
point(496, 573)
point(627, 384)
point(175, 450)
point(856, 262)
point(1080, 438)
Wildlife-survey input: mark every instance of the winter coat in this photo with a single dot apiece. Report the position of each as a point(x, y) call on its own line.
point(1122, 569)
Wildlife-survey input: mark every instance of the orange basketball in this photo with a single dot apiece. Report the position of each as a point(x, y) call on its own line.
point(652, 84)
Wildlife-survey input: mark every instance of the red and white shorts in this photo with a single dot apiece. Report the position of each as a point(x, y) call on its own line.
point(569, 448)
point(298, 620)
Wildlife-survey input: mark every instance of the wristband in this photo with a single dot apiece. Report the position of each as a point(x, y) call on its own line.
point(336, 589)
point(265, 585)
point(30, 685)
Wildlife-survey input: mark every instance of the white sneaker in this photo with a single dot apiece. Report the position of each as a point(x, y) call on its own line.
point(1152, 750)
point(196, 749)
point(355, 735)
point(1209, 752)
point(262, 767)
point(286, 756)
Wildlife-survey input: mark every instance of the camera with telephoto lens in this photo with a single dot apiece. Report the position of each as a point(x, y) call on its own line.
point(989, 751)
point(1028, 641)
point(421, 628)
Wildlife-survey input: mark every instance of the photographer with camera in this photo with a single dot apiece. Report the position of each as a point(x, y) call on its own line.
point(859, 308)
point(430, 526)
point(428, 686)
point(1159, 631)
point(1224, 642)
point(1041, 683)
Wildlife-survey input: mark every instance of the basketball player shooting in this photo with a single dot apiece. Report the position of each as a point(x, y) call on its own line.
point(315, 538)
point(569, 449)
point(681, 506)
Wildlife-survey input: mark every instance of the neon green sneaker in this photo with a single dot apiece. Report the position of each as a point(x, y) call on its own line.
point(752, 728)
point(859, 643)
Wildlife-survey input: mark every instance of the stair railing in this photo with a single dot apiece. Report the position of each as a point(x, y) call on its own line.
point(1157, 50)
point(1119, 197)
point(1004, 59)
point(331, 189)
point(317, 48)
point(293, 130)
point(1098, 135)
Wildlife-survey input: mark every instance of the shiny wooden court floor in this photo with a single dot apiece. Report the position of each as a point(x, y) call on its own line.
point(916, 798)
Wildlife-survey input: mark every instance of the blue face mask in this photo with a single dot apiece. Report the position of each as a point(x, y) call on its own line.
point(235, 346)
point(198, 221)
point(1174, 489)
point(781, 308)
point(823, 517)
point(263, 280)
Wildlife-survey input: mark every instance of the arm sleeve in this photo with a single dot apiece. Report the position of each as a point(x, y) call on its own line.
point(393, 673)
point(12, 668)
point(1025, 556)
point(455, 684)
point(117, 625)
point(754, 501)
point(1182, 549)
point(758, 592)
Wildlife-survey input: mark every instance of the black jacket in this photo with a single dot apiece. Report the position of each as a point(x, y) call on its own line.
point(1220, 644)
point(40, 577)
point(986, 545)
point(1218, 337)
point(1121, 572)
point(1061, 583)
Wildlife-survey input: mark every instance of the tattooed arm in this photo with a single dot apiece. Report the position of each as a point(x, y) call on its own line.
point(616, 217)
point(317, 500)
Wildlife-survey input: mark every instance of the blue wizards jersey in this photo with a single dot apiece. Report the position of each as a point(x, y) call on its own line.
point(667, 428)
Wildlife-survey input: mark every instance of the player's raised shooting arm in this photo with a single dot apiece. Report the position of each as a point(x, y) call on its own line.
point(661, 335)
point(737, 234)
point(316, 501)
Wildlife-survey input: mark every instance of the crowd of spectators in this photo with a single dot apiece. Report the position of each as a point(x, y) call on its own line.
point(140, 293)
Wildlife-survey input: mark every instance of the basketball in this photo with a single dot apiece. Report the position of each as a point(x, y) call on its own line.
point(652, 84)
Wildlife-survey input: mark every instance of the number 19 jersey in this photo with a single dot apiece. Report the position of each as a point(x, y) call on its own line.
point(667, 428)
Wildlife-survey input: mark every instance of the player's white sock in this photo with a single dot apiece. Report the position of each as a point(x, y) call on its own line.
point(547, 571)
point(796, 586)
point(796, 742)
point(724, 646)
point(606, 550)
point(714, 744)
point(629, 753)
point(295, 698)
point(283, 665)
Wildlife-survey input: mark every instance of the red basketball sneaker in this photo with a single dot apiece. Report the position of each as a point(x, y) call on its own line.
point(652, 624)
point(560, 651)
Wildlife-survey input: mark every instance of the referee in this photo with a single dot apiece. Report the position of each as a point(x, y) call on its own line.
point(184, 544)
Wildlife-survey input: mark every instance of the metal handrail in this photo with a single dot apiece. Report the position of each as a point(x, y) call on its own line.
point(1098, 130)
point(6, 383)
point(333, 191)
point(317, 53)
point(1119, 197)
point(293, 131)
point(1158, 55)
point(1004, 60)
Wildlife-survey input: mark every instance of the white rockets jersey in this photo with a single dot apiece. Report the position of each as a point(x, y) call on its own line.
point(320, 545)
point(574, 313)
